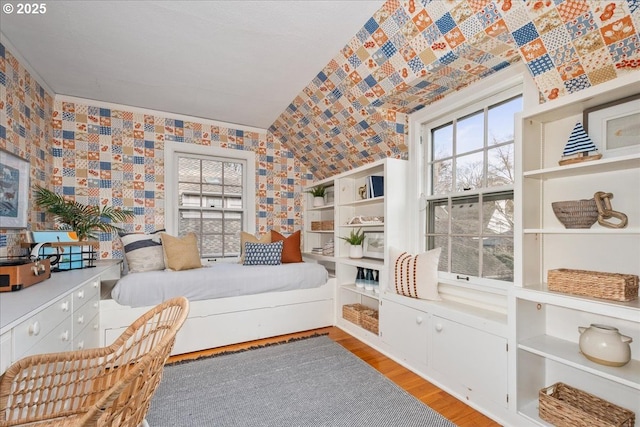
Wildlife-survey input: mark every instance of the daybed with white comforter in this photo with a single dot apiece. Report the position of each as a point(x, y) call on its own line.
point(230, 303)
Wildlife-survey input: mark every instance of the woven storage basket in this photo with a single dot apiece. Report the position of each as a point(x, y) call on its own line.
point(576, 213)
point(611, 286)
point(326, 225)
point(565, 406)
point(316, 225)
point(369, 320)
point(353, 312)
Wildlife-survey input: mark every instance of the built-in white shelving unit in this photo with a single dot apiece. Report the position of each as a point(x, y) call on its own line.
point(546, 323)
point(349, 203)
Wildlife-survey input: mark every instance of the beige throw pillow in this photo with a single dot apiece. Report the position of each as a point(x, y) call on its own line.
point(181, 253)
point(414, 276)
point(246, 237)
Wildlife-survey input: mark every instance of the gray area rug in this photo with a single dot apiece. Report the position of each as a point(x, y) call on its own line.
point(310, 382)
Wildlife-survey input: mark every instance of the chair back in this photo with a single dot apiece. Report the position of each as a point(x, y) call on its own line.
point(109, 386)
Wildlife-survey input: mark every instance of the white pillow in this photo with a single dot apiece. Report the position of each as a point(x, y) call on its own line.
point(414, 276)
point(143, 252)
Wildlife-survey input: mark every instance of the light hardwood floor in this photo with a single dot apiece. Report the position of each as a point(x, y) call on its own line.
point(450, 407)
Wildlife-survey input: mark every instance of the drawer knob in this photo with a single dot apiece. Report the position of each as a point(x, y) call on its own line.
point(81, 319)
point(419, 320)
point(81, 294)
point(34, 328)
point(65, 306)
point(439, 327)
point(96, 304)
point(80, 345)
point(64, 336)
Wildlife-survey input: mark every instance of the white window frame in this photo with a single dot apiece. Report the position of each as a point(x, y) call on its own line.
point(171, 152)
point(501, 86)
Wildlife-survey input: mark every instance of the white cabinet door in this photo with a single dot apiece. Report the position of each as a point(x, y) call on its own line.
point(473, 360)
point(404, 329)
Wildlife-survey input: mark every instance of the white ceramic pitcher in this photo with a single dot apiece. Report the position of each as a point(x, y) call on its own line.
point(605, 345)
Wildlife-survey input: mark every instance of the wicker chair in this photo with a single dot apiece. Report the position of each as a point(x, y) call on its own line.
point(108, 386)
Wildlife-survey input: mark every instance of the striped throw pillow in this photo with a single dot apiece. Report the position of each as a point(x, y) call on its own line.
point(143, 252)
point(414, 276)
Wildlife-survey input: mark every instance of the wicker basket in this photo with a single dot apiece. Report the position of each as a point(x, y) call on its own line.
point(610, 286)
point(353, 312)
point(576, 213)
point(316, 225)
point(563, 405)
point(326, 225)
point(369, 320)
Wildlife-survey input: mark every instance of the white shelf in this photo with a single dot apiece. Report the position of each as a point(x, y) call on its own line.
point(375, 264)
point(530, 411)
point(611, 164)
point(626, 231)
point(370, 201)
point(360, 291)
point(379, 224)
point(321, 208)
point(320, 231)
point(629, 310)
point(319, 257)
point(568, 353)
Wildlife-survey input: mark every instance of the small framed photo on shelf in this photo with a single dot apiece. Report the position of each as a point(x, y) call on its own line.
point(373, 245)
point(614, 127)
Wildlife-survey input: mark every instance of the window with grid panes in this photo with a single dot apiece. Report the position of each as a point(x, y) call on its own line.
point(211, 202)
point(470, 175)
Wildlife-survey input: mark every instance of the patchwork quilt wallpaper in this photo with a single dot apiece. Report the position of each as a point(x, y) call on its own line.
point(354, 111)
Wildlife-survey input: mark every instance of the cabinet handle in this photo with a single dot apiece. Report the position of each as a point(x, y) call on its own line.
point(439, 327)
point(81, 294)
point(34, 328)
point(96, 326)
point(96, 284)
point(80, 345)
point(65, 306)
point(96, 304)
point(65, 336)
point(419, 320)
point(81, 319)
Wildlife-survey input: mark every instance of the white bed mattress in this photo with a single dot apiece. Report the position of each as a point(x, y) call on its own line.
point(216, 281)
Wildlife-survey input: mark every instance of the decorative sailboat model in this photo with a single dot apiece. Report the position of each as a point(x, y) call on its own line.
point(578, 147)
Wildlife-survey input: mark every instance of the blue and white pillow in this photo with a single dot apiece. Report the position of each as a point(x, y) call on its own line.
point(143, 252)
point(263, 253)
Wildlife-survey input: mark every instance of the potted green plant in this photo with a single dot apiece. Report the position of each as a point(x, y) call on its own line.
point(318, 195)
point(84, 220)
point(355, 239)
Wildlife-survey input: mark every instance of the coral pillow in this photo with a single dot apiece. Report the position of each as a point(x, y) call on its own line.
point(181, 253)
point(291, 248)
point(414, 276)
point(246, 237)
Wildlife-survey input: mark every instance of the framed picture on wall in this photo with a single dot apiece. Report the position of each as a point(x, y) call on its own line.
point(14, 191)
point(373, 245)
point(615, 126)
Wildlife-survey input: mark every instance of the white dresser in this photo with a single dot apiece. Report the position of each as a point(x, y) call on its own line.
point(59, 314)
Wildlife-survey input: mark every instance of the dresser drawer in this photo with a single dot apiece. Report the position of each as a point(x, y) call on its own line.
point(30, 332)
point(87, 292)
point(58, 339)
point(89, 337)
point(85, 316)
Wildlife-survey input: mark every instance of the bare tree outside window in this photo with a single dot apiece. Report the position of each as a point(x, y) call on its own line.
point(473, 154)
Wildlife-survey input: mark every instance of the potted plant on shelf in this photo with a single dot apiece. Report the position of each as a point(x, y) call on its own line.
point(318, 195)
point(84, 220)
point(355, 239)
